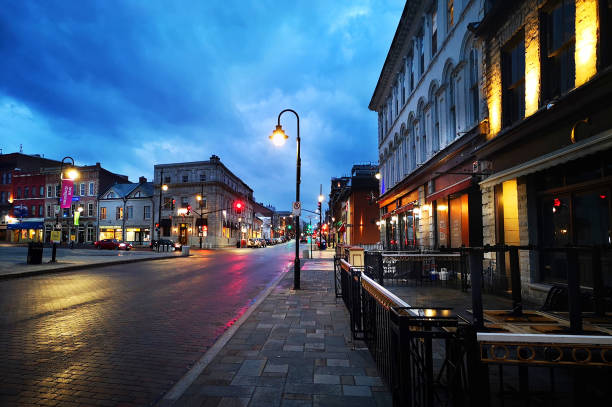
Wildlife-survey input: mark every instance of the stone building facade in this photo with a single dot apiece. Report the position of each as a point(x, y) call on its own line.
point(430, 120)
point(220, 224)
point(531, 163)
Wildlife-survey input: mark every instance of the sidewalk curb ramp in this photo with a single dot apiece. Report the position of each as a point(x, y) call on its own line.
point(75, 267)
point(175, 393)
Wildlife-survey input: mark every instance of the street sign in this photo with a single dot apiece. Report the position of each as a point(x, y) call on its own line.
point(56, 236)
point(297, 208)
point(76, 198)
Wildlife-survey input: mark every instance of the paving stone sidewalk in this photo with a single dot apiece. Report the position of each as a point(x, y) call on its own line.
point(294, 350)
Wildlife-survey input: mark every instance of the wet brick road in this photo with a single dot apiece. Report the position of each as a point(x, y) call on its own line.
point(122, 335)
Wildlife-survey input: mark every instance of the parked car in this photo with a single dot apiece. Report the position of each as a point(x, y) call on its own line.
point(110, 244)
point(166, 242)
point(303, 239)
point(269, 241)
point(253, 243)
point(262, 242)
point(125, 246)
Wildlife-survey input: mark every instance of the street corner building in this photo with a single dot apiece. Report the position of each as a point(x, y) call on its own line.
point(198, 200)
point(495, 127)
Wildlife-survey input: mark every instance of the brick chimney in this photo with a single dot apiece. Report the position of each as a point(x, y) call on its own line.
point(142, 180)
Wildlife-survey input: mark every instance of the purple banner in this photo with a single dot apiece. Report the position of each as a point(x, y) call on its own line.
point(67, 187)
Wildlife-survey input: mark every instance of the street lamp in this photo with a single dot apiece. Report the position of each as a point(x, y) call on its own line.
point(162, 187)
point(279, 137)
point(71, 175)
point(321, 198)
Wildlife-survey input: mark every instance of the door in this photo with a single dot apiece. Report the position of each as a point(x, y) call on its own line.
point(183, 234)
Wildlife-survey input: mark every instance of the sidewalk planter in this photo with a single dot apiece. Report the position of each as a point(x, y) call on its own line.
point(185, 251)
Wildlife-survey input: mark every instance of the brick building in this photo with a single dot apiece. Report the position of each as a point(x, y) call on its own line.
point(9, 163)
point(92, 181)
point(27, 213)
point(352, 205)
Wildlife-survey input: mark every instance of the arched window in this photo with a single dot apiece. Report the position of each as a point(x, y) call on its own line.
point(473, 92)
point(422, 136)
point(412, 147)
point(435, 119)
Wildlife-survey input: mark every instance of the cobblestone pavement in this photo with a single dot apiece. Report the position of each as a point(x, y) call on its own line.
point(122, 335)
point(294, 350)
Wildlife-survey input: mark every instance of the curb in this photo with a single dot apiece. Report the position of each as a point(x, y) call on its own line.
point(78, 267)
point(175, 393)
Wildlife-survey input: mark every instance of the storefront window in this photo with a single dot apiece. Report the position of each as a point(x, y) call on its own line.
point(442, 215)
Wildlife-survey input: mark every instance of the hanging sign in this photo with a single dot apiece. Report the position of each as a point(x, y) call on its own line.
point(77, 215)
point(67, 189)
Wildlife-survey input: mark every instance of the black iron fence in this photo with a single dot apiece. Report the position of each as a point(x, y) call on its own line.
point(430, 357)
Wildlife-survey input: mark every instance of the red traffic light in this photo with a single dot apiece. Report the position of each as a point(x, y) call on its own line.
point(157, 225)
point(238, 206)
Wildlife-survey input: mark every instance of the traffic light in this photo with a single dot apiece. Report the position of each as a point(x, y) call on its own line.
point(289, 227)
point(157, 227)
point(238, 207)
point(319, 206)
point(188, 209)
point(173, 203)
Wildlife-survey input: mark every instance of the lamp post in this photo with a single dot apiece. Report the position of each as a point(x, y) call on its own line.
point(162, 187)
point(279, 137)
point(321, 198)
point(71, 174)
point(200, 203)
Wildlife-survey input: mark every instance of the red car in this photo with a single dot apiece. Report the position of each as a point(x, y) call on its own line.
point(110, 244)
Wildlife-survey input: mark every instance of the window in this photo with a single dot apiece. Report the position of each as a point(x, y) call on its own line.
point(41, 191)
point(452, 111)
point(423, 137)
point(421, 52)
point(435, 118)
point(403, 86)
point(57, 190)
point(184, 202)
point(90, 209)
point(450, 14)
point(473, 92)
point(102, 212)
point(167, 202)
point(111, 195)
point(185, 178)
point(18, 194)
point(90, 233)
point(119, 213)
point(130, 212)
point(202, 177)
point(434, 32)
point(49, 211)
point(4, 178)
point(8, 177)
point(410, 73)
point(49, 191)
point(166, 180)
point(91, 188)
point(33, 211)
point(147, 212)
point(605, 28)
point(557, 40)
point(2, 197)
point(513, 80)
point(41, 210)
point(26, 191)
point(82, 191)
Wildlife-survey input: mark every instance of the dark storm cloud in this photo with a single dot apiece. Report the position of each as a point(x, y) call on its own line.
point(133, 83)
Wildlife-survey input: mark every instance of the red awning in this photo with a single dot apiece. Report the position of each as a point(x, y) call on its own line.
point(386, 215)
point(451, 189)
point(405, 208)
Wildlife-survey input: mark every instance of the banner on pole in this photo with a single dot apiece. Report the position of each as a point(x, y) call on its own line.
point(67, 189)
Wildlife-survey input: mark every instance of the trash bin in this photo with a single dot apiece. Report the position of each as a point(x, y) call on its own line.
point(305, 254)
point(35, 253)
point(185, 251)
point(238, 243)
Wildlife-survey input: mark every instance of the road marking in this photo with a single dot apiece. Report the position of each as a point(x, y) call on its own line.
point(183, 384)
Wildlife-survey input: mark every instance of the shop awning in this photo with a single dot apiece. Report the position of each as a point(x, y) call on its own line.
point(25, 225)
point(451, 189)
point(600, 142)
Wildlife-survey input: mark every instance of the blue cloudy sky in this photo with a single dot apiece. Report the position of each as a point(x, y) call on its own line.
point(135, 83)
